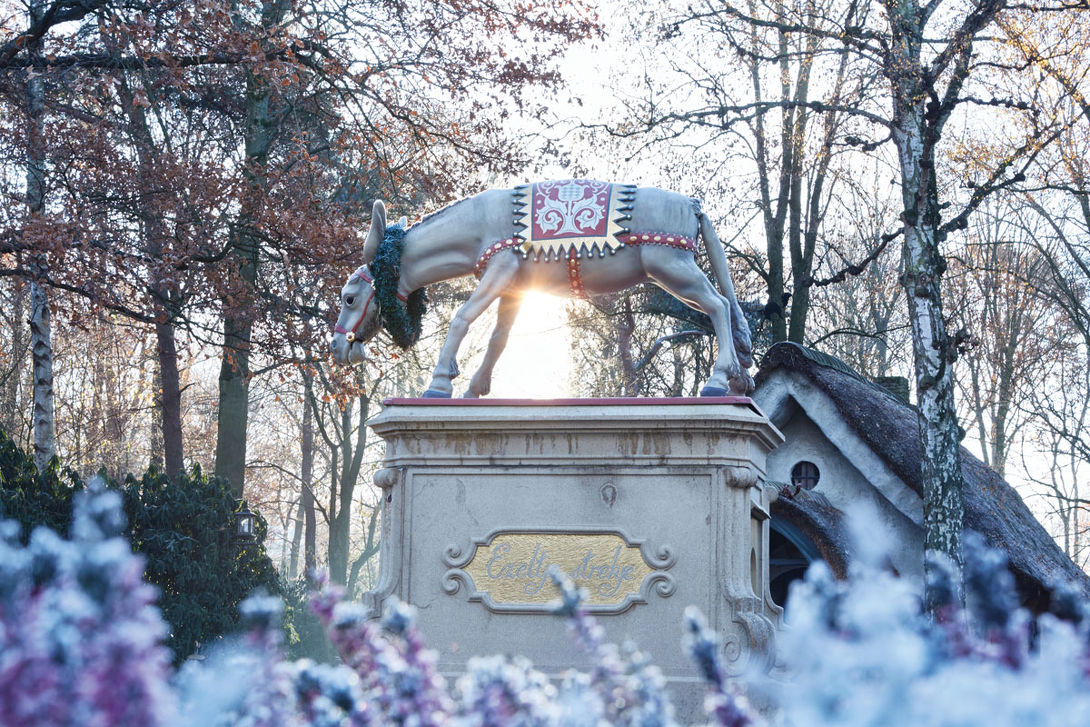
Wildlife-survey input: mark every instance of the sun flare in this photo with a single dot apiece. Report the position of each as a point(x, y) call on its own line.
point(537, 361)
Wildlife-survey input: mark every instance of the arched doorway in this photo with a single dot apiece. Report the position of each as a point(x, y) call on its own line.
point(790, 553)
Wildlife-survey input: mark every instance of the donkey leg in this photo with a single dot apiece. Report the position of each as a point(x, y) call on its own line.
point(481, 383)
point(688, 283)
point(500, 274)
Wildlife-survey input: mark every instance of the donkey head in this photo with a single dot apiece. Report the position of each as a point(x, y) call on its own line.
point(359, 320)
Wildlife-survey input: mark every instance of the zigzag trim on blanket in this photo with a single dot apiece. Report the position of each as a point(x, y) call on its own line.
point(620, 205)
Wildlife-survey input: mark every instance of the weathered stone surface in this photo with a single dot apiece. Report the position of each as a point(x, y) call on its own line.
point(652, 507)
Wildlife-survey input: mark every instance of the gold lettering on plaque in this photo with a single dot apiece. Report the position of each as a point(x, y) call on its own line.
point(514, 567)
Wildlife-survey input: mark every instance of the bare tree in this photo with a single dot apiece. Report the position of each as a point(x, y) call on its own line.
point(861, 318)
point(776, 122)
point(934, 58)
point(340, 411)
point(1061, 410)
point(1053, 214)
point(1008, 326)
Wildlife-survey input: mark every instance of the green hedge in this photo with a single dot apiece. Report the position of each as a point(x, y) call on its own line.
point(183, 528)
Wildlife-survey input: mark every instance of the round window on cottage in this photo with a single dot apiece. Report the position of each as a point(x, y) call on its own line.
point(805, 475)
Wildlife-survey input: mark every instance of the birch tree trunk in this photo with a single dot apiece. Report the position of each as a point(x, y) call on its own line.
point(42, 353)
point(915, 129)
point(41, 344)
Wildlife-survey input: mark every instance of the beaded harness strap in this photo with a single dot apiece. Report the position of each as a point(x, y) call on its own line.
point(495, 247)
point(660, 238)
point(575, 280)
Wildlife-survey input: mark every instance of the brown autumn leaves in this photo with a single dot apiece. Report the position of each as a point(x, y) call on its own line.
point(207, 166)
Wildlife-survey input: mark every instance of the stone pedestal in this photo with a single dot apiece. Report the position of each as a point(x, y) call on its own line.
point(651, 504)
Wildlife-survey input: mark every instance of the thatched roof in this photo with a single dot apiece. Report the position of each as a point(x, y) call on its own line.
point(823, 524)
point(889, 427)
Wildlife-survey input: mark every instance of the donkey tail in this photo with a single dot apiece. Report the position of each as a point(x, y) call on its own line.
point(718, 258)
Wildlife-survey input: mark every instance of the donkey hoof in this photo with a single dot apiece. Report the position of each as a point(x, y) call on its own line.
point(708, 391)
point(435, 394)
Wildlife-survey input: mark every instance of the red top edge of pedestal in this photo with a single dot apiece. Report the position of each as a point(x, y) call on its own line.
point(619, 401)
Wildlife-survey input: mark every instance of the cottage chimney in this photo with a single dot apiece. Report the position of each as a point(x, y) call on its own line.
point(896, 385)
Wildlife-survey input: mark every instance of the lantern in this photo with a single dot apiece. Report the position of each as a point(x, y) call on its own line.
point(244, 524)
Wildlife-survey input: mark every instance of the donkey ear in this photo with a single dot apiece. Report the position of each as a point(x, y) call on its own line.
point(376, 233)
point(404, 222)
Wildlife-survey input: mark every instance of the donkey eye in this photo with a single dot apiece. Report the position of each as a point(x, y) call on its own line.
point(350, 300)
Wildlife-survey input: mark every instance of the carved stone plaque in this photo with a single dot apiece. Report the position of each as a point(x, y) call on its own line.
point(509, 569)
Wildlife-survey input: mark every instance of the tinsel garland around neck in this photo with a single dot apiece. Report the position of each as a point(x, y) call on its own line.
point(402, 320)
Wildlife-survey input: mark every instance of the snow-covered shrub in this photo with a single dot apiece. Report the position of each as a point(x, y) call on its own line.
point(397, 675)
point(396, 682)
point(721, 701)
point(624, 688)
point(81, 641)
point(861, 652)
point(181, 526)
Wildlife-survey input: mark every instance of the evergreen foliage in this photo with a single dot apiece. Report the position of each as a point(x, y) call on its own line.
point(402, 320)
point(183, 528)
point(31, 498)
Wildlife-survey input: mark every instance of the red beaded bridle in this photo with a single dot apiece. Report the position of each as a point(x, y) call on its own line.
point(350, 334)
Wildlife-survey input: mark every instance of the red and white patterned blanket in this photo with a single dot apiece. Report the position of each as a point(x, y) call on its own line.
point(572, 215)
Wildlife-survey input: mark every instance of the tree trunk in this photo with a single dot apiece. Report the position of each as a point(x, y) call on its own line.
point(238, 316)
point(370, 550)
point(804, 241)
point(9, 406)
point(42, 352)
point(155, 435)
point(784, 215)
point(340, 525)
point(773, 215)
point(234, 402)
point(793, 162)
point(40, 335)
point(292, 568)
point(310, 532)
point(170, 397)
point(626, 326)
point(306, 501)
point(933, 355)
point(916, 125)
point(340, 507)
point(1006, 391)
point(168, 402)
point(943, 510)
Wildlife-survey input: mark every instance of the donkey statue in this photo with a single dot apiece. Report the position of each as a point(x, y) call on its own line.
point(571, 237)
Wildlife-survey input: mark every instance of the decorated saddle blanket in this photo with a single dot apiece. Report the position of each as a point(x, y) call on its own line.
point(572, 216)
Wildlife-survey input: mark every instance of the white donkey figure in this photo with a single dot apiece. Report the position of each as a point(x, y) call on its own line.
point(579, 238)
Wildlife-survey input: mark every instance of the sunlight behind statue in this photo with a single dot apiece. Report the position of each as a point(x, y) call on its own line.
point(572, 237)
